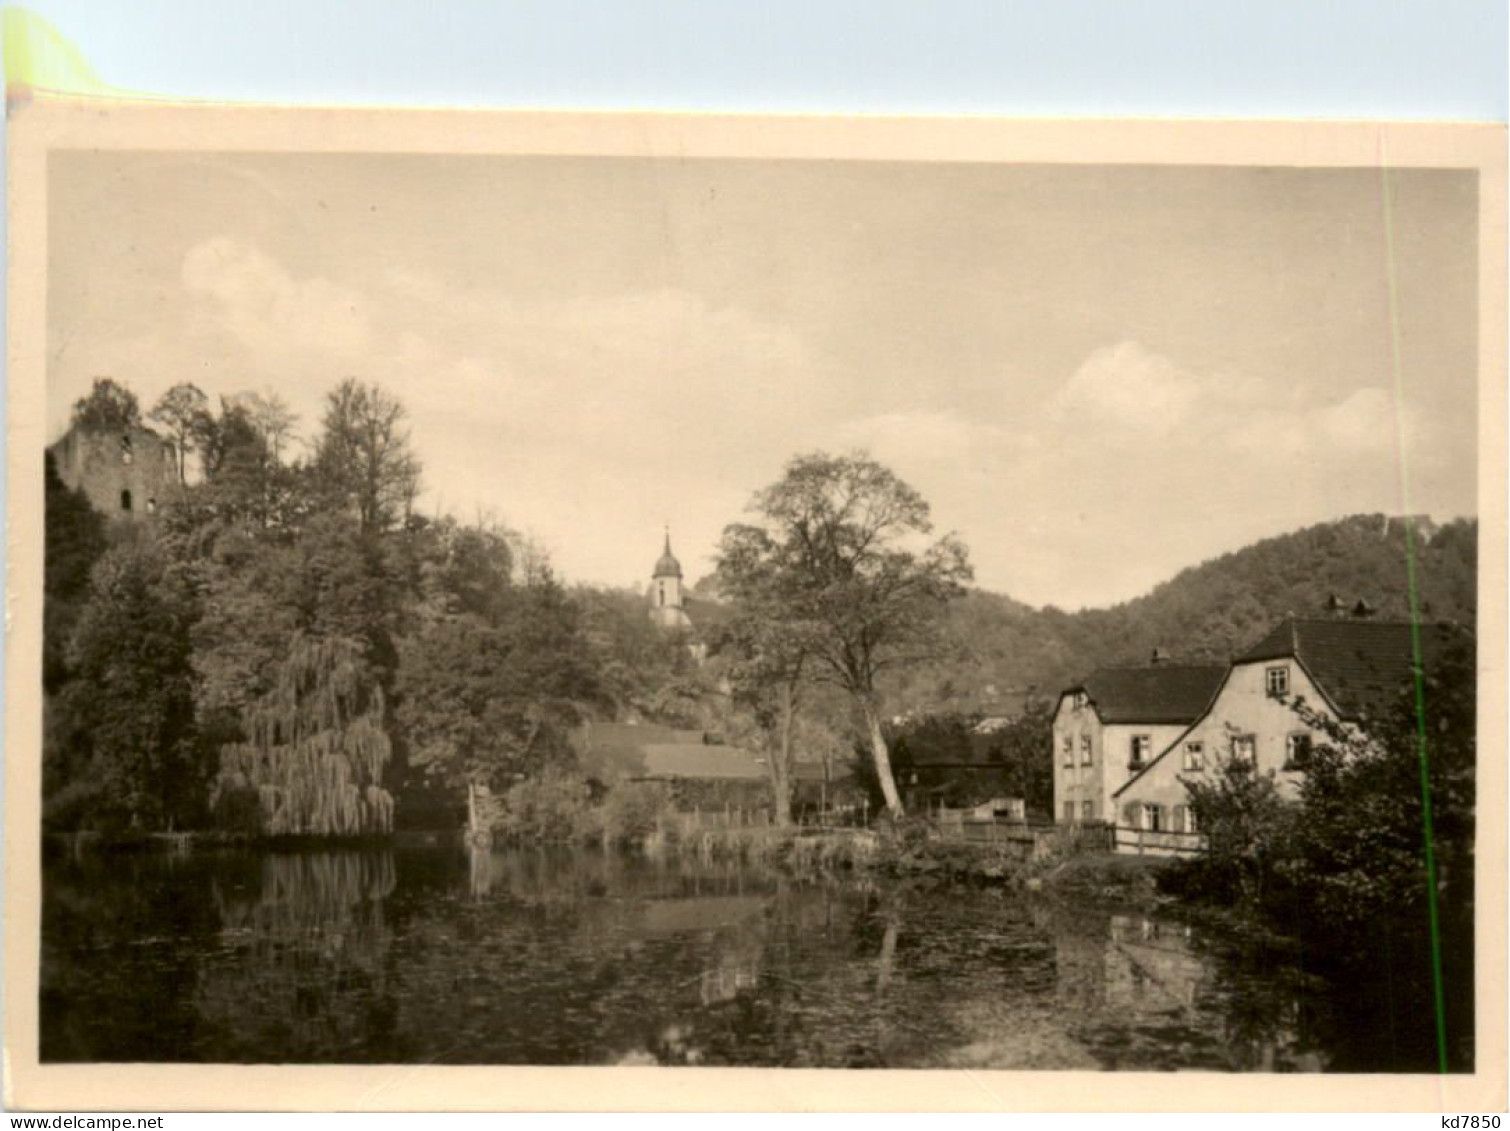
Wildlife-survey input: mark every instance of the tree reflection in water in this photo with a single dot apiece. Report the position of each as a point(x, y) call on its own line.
point(560, 957)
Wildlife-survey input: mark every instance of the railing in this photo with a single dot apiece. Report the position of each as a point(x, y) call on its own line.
point(1036, 835)
point(1161, 842)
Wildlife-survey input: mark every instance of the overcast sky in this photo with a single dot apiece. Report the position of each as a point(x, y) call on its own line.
point(1097, 376)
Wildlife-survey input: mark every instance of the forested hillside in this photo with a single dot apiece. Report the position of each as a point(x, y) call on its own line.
point(1207, 612)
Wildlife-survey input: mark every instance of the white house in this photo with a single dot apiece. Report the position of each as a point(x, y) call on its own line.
point(1348, 670)
point(1110, 725)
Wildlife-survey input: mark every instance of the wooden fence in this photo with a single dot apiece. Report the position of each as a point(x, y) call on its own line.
point(1158, 842)
point(1036, 836)
point(1078, 836)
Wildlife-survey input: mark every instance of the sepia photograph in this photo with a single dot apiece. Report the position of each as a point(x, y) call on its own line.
point(687, 595)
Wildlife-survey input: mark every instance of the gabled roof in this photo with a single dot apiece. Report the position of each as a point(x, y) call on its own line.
point(695, 760)
point(616, 751)
point(1158, 693)
point(1359, 665)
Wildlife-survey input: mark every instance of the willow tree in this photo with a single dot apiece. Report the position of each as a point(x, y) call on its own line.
point(838, 559)
point(316, 748)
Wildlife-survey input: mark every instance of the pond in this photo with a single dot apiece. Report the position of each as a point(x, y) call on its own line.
point(558, 957)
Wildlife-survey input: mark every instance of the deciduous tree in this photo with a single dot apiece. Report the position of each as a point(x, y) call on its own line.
point(74, 540)
point(836, 553)
point(362, 456)
point(131, 735)
point(270, 415)
point(181, 410)
point(766, 665)
point(110, 405)
point(488, 693)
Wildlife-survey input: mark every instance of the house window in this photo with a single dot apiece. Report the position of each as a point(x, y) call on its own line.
point(1078, 702)
point(1244, 746)
point(151, 506)
point(1069, 750)
point(1184, 819)
point(126, 454)
point(1142, 747)
point(1153, 817)
point(1085, 750)
point(1195, 756)
point(1069, 811)
point(125, 500)
point(1297, 750)
point(1087, 810)
point(1277, 681)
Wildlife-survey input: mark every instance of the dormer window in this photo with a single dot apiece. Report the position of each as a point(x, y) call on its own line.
point(1277, 681)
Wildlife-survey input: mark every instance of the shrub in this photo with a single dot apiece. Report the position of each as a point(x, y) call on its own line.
point(555, 807)
point(634, 810)
point(1250, 834)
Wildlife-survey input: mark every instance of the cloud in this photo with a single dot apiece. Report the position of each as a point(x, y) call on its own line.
point(626, 372)
point(1136, 466)
point(1142, 466)
point(1127, 387)
point(590, 419)
point(259, 302)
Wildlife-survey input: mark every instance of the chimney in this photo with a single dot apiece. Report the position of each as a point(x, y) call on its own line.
point(1158, 656)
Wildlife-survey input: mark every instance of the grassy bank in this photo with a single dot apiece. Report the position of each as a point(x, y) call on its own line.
point(914, 851)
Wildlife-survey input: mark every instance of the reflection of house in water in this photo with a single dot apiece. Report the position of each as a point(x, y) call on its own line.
point(1144, 971)
point(1149, 964)
point(1137, 964)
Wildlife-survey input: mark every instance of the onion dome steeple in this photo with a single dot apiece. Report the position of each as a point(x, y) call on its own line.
point(667, 566)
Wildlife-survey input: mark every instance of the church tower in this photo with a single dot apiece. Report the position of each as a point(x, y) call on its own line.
point(666, 597)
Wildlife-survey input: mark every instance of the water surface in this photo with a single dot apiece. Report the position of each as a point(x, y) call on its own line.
point(559, 957)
